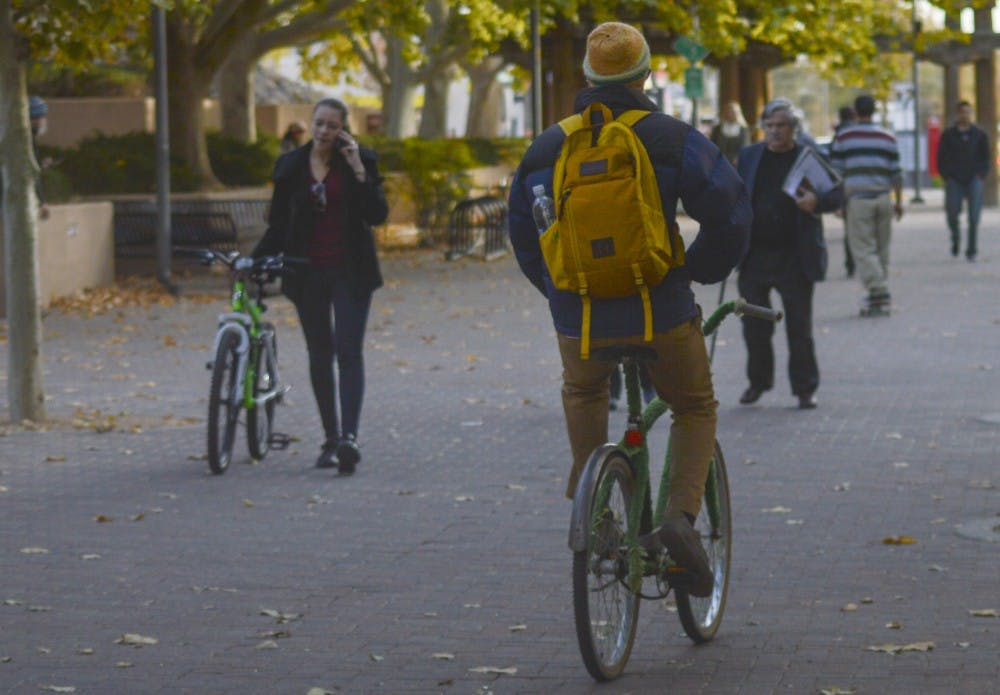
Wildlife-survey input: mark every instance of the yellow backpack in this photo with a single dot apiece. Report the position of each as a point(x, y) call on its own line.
point(610, 238)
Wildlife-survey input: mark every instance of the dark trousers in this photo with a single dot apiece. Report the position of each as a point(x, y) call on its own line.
point(780, 271)
point(339, 337)
point(954, 193)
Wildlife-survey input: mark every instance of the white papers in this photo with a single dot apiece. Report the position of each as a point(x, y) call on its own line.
point(813, 171)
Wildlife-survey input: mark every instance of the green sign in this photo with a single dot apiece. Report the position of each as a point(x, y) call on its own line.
point(694, 85)
point(690, 49)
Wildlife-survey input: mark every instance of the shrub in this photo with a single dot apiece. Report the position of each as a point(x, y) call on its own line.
point(115, 164)
point(436, 170)
point(238, 163)
point(110, 164)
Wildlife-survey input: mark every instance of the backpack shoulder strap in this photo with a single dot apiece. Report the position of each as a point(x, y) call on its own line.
point(571, 124)
point(632, 116)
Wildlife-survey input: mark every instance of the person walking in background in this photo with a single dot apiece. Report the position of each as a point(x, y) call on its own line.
point(327, 196)
point(787, 254)
point(38, 112)
point(731, 134)
point(295, 133)
point(867, 157)
point(846, 117)
point(964, 161)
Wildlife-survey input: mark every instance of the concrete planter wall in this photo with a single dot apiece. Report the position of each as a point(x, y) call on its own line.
point(75, 251)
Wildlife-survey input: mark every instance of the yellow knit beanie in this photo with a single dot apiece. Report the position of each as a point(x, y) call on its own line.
point(616, 53)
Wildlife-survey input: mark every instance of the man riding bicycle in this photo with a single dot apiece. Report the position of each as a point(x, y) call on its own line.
point(689, 168)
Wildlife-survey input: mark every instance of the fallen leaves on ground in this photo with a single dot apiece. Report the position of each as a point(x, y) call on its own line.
point(280, 618)
point(135, 640)
point(133, 291)
point(509, 671)
point(899, 540)
point(984, 613)
point(837, 690)
point(34, 550)
point(443, 656)
point(890, 648)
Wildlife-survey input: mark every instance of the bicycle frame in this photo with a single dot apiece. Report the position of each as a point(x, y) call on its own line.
point(640, 421)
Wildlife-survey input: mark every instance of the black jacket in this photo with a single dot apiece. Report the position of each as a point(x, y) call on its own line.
point(810, 245)
point(291, 218)
point(963, 158)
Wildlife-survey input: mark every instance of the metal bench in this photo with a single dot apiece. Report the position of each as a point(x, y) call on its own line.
point(135, 231)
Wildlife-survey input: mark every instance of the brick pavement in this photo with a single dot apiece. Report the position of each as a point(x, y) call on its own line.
point(424, 565)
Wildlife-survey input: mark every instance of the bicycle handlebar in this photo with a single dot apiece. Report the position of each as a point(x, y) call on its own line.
point(257, 268)
point(743, 308)
point(740, 307)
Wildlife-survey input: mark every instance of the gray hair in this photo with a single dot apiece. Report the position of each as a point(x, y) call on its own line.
point(780, 104)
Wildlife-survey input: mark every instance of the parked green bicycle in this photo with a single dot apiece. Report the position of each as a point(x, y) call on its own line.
point(612, 508)
point(245, 361)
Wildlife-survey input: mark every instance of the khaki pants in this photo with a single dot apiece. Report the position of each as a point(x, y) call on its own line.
point(681, 376)
point(869, 229)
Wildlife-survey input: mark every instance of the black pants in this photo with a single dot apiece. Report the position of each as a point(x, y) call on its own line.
point(338, 337)
point(780, 271)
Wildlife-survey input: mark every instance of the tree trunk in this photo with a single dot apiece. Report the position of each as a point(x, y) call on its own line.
point(188, 86)
point(485, 98)
point(729, 82)
point(237, 100)
point(434, 115)
point(562, 73)
point(25, 392)
point(398, 113)
point(755, 91)
point(986, 105)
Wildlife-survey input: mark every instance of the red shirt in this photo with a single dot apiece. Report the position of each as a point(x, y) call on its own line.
point(326, 246)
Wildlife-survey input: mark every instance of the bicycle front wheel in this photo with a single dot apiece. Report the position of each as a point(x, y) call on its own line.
point(260, 418)
point(223, 403)
point(606, 612)
point(701, 617)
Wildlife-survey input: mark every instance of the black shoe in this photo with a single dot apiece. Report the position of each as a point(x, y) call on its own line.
point(807, 401)
point(684, 546)
point(348, 454)
point(328, 457)
point(970, 257)
point(954, 248)
point(751, 395)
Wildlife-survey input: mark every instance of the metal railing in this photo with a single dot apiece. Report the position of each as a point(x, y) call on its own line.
point(478, 227)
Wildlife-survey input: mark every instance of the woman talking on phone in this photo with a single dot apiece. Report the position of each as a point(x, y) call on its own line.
point(327, 195)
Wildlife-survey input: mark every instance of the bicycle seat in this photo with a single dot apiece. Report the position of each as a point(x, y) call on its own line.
point(617, 353)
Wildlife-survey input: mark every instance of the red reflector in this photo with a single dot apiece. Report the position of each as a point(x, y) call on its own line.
point(633, 437)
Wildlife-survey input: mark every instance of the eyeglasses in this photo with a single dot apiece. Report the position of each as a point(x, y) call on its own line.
point(318, 190)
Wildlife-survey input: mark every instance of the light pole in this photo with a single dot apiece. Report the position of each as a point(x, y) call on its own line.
point(916, 110)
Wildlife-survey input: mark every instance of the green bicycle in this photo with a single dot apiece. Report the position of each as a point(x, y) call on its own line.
point(245, 362)
point(612, 508)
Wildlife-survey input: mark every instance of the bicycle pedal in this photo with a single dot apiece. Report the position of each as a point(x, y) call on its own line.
point(278, 441)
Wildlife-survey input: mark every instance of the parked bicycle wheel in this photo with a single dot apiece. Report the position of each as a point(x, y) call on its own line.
point(223, 403)
point(701, 617)
point(260, 418)
point(606, 611)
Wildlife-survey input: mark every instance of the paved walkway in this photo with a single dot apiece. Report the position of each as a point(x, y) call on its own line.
point(446, 554)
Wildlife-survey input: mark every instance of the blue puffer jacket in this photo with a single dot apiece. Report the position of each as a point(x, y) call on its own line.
point(688, 168)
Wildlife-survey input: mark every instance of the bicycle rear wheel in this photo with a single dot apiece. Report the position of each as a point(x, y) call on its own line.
point(701, 617)
point(606, 612)
point(260, 418)
point(223, 403)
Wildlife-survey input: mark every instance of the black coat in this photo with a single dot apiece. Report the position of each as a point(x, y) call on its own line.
point(291, 218)
point(810, 245)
